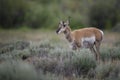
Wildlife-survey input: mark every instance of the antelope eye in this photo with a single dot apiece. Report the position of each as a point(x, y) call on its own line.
point(64, 25)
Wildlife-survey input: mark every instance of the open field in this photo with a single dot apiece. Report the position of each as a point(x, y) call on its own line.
point(44, 55)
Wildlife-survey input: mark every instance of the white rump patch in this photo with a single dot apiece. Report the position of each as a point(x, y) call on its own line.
point(102, 32)
point(87, 41)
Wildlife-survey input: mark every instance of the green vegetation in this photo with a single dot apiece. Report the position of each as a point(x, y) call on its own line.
point(108, 71)
point(12, 13)
point(27, 54)
point(47, 14)
point(17, 70)
point(51, 59)
point(105, 14)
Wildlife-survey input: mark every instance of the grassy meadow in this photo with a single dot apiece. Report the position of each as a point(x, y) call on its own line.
point(44, 55)
point(30, 49)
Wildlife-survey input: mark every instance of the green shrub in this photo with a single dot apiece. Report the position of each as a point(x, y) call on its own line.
point(14, 50)
point(82, 62)
point(104, 14)
point(117, 44)
point(17, 70)
point(76, 22)
point(49, 76)
point(110, 53)
point(67, 62)
point(38, 17)
point(12, 13)
point(17, 45)
point(105, 54)
point(63, 61)
point(41, 16)
point(108, 71)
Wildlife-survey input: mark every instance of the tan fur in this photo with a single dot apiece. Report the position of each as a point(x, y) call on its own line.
point(75, 37)
point(86, 32)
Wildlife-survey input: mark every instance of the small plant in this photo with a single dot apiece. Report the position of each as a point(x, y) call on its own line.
point(18, 45)
point(108, 71)
point(110, 53)
point(83, 62)
point(105, 54)
point(17, 70)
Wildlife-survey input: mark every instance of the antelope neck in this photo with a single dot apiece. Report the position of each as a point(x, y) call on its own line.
point(68, 35)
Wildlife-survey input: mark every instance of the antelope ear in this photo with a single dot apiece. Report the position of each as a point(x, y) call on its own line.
point(67, 22)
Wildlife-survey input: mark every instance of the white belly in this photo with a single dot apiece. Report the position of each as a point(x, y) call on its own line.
point(87, 41)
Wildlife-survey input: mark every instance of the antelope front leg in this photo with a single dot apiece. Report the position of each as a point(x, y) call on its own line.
point(73, 46)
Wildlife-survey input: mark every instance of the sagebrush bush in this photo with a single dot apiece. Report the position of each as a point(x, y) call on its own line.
point(17, 70)
point(66, 62)
point(52, 58)
point(11, 46)
point(108, 71)
point(117, 43)
point(105, 54)
point(110, 53)
point(49, 76)
point(81, 62)
point(14, 50)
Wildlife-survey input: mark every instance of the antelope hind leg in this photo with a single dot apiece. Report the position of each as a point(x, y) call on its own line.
point(97, 46)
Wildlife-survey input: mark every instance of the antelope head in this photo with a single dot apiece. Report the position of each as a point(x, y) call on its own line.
point(62, 27)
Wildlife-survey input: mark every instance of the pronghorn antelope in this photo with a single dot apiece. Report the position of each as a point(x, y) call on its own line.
point(82, 38)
